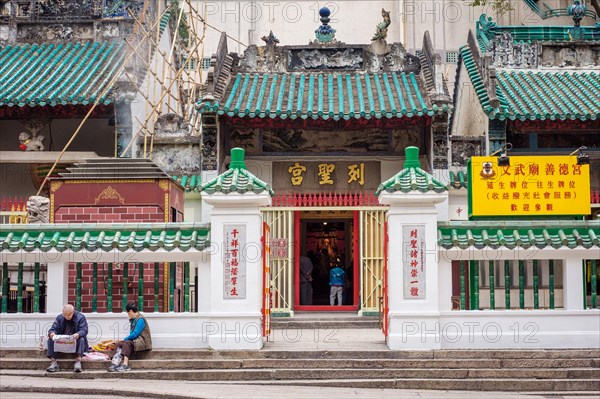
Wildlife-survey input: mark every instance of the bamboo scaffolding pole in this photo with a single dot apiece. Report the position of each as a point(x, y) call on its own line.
point(91, 110)
point(148, 118)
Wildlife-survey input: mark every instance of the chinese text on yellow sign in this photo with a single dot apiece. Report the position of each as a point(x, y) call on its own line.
point(530, 186)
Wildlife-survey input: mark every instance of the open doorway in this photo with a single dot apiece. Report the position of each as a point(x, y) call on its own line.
point(326, 257)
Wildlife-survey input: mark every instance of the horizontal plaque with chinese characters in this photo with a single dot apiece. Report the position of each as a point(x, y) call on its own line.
point(338, 176)
point(413, 261)
point(234, 262)
point(529, 185)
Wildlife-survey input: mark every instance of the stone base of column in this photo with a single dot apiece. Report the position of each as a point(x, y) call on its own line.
point(414, 332)
point(234, 333)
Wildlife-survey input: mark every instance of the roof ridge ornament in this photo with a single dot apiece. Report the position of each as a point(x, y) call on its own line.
point(382, 27)
point(325, 33)
point(577, 10)
point(270, 40)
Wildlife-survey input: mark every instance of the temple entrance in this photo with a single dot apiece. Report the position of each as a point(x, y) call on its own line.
point(327, 256)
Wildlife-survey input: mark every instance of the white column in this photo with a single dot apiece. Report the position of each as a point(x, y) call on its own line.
point(573, 284)
point(57, 283)
point(414, 323)
point(236, 323)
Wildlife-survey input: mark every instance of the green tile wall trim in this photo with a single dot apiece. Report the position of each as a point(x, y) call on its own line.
point(237, 179)
point(542, 234)
point(57, 74)
point(189, 182)
point(458, 179)
point(324, 96)
point(538, 94)
point(105, 237)
point(411, 178)
point(486, 30)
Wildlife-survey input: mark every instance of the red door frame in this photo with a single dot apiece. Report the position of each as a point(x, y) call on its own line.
point(355, 274)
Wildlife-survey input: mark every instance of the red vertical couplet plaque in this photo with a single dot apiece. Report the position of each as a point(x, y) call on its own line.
point(234, 262)
point(413, 261)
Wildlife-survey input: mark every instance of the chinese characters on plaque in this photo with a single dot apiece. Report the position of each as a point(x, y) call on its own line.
point(234, 265)
point(413, 246)
point(548, 185)
point(279, 248)
point(334, 176)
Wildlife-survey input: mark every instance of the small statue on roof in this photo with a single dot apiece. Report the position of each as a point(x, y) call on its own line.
point(271, 39)
point(382, 27)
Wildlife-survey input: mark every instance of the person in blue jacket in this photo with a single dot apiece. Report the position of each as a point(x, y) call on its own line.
point(337, 279)
point(139, 338)
point(73, 323)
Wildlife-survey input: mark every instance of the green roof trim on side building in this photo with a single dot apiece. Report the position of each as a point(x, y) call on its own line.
point(538, 94)
point(106, 237)
point(58, 74)
point(191, 183)
point(411, 178)
point(237, 179)
point(487, 29)
point(523, 234)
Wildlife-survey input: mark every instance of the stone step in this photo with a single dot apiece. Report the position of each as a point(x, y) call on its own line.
point(291, 323)
point(202, 364)
point(327, 374)
point(531, 356)
point(556, 386)
point(403, 379)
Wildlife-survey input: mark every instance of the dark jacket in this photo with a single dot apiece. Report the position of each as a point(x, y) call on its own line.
point(143, 341)
point(77, 325)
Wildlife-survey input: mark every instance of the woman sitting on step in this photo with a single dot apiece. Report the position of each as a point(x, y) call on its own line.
point(138, 339)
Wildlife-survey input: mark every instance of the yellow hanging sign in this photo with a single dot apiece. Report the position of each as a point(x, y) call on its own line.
point(529, 186)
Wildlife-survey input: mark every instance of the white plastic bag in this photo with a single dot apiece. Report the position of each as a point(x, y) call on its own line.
point(116, 360)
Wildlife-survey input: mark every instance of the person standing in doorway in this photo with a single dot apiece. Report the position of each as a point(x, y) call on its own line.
point(306, 290)
point(337, 278)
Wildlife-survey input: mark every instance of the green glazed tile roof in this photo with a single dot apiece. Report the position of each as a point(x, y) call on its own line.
point(189, 182)
point(458, 179)
point(106, 237)
point(486, 30)
point(57, 74)
point(538, 94)
point(411, 177)
point(237, 179)
point(323, 96)
point(554, 234)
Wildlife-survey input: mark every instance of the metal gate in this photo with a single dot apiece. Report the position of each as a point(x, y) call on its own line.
point(281, 262)
point(266, 294)
point(372, 259)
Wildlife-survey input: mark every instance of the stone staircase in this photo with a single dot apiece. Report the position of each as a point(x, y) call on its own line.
point(573, 370)
point(325, 320)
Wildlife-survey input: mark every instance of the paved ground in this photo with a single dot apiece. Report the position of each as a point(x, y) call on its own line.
point(355, 339)
point(50, 388)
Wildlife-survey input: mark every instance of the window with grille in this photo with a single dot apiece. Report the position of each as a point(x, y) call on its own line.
point(205, 63)
point(451, 57)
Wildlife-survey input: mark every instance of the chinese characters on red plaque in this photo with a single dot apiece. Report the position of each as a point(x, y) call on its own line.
point(413, 259)
point(234, 264)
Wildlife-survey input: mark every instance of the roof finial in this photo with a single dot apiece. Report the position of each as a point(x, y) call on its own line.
point(412, 157)
point(237, 158)
point(577, 10)
point(325, 33)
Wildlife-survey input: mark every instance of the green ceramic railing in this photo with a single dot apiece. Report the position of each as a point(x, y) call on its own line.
point(470, 289)
point(125, 285)
point(507, 284)
point(492, 286)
